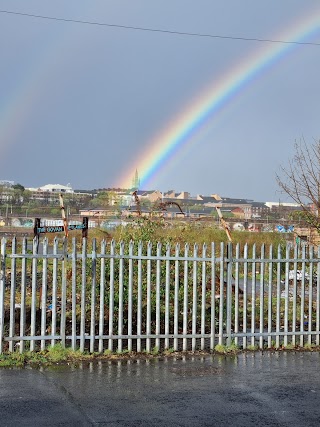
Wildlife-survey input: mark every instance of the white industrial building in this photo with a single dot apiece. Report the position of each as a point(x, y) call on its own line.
point(53, 188)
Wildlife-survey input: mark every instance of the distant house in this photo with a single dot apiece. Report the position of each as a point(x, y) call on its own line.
point(52, 188)
point(173, 195)
point(56, 188)
point(184, 195)
point(259, 210)
point(49, 192)
point(95, 213)
point(151, 195)
point(238, 212)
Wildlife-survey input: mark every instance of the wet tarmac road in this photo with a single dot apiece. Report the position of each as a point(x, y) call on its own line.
point(252, 389)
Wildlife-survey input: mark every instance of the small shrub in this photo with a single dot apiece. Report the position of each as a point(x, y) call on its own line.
point(220, 348)
point(234, 348)
point(309, 346)
point(224, 349)
point(252, 347)
point(12, 359)
point(289, 347)
point(57, 353)
point(155, 351)
point(169, 350)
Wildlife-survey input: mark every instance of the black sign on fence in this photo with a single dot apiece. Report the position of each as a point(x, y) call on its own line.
point(38, 229)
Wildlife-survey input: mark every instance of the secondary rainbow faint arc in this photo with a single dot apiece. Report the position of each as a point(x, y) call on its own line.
point(179, 132)
point(16, 108)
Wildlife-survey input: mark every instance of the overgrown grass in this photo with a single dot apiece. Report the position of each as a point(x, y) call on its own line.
point(54, 354)
point(59, 355)
point(155, 230)
point(224, 349)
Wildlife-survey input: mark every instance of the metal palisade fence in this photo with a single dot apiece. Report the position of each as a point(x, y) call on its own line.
point(149, 297)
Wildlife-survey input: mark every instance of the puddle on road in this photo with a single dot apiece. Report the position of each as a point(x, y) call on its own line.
point(197, 371)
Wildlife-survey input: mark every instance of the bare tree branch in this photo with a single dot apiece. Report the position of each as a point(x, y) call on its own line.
point(301, 180)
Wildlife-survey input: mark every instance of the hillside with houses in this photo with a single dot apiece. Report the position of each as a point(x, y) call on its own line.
point(107, 207)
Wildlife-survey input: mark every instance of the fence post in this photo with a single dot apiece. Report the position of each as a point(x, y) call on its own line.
point(44, 292)
point(245, 296)
point(139, 295)
point(310, 292)
point(221, 293)
point(2, 289)
point(102, 294)
point(158, 284)
point(111, 294)
point(74, 294)
point(270, 293)
point(12, 323)
point(194, 296)
point(253, 295)
point(35, 248)
point(229, 292)
point(185, 298)
point(130, 294)
point(83, 295)
point(278, 307)
point(318, 299)
point(23, 294)
point(262, 286)
point(64, 292)
point(213, 297)
point(167, 299)
point(294, 303)
point(54, 292)
point(236, 295)
point(302, 295)
point(176, 299)
point(203, 296)
point(149, 308)
point(286, 300)
point(120, 294)
point(93, 295)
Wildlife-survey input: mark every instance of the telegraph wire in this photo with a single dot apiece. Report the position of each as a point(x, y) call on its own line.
point(159, 30)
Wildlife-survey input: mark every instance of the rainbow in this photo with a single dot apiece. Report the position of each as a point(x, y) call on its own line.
point(15, 107)
point(180, 134)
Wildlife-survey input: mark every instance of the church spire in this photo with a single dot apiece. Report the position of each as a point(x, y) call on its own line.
point(135, 181)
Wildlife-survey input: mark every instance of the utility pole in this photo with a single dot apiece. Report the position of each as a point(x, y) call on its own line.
point(63, 214)
point(222, 221)
point(7, 209)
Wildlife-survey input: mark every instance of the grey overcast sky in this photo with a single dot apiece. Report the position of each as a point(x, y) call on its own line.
point(85, 104)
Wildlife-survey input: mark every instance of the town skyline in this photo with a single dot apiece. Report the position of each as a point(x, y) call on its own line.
point(56, 188)
point(220, 107)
